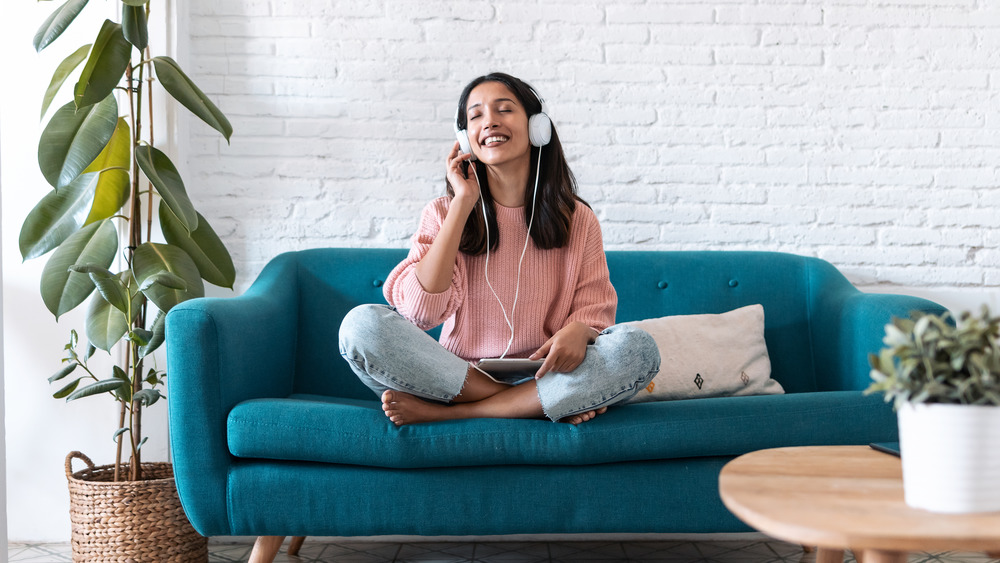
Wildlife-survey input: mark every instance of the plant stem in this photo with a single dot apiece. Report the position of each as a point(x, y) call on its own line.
point(133, 366)
point(135, 467)
point(149, 94)
point(134, 189)
point(118, 453)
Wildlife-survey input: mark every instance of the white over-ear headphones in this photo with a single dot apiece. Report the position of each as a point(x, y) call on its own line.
point(539, 129)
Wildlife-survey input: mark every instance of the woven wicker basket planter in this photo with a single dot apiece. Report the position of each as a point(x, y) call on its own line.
point(130, 521)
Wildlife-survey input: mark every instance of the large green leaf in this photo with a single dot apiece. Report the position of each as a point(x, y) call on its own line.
point(184, 90)
point(68, 389)
point(148, 396)
point(64, 372)
point(112, 289)
point(166, 279)
point(63, 290)
point(167, 181)
point(57, 23)
point(202, 245)
point(134, 25)
point(96, 389)
point(57, 216)
point(152, 258)
point(109, 57)
point(113, 163)
point(106, 325)
point(73, 139)
point(61, 74)
point(159, 335)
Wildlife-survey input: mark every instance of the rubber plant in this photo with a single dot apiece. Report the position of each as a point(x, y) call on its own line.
point(107, 176)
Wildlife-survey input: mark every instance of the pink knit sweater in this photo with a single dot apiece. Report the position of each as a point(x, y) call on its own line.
point(558, 286)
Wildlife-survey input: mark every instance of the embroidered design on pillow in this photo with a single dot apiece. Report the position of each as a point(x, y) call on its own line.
point(745, 378)
point(698, 380)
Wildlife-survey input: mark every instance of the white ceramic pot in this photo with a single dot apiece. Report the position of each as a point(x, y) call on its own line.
point(951, 457)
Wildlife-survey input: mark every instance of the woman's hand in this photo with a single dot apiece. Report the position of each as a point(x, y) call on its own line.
point(466, 189)
point(565, 351)
point(436, 268)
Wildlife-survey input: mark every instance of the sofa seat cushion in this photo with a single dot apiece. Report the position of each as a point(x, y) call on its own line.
point(356, 432)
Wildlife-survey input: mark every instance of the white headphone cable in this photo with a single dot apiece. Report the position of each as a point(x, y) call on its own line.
point(486, 268)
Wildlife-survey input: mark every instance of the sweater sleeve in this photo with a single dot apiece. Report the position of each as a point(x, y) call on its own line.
point(594, 299)
point(403, 290)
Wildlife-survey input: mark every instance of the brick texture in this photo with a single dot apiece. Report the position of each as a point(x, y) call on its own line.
point(865, 132)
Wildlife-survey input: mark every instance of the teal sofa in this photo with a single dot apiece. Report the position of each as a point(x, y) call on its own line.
point(273, 435)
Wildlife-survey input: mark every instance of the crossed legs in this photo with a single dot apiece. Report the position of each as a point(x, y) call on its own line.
point(418, 380)
point(481, 397)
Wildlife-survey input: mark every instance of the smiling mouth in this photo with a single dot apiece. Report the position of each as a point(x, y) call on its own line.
point(494, 140)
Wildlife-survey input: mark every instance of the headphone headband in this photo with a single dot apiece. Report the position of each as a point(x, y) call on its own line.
point(541, 100)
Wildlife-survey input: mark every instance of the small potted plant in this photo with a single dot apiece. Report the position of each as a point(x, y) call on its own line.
point(943, 378)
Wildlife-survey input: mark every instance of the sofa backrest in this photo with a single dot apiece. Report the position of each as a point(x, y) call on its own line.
point(660, 283)
point(649, 284)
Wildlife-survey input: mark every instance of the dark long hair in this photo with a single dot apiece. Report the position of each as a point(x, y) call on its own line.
point(557, 197)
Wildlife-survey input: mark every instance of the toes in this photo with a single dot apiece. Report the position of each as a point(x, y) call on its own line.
point(389, 407)
point(585, 416)
point(395, 417)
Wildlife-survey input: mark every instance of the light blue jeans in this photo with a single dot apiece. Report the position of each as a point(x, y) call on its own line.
point(387, 351)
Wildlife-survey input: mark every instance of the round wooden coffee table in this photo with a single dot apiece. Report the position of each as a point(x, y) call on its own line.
point(838, 497)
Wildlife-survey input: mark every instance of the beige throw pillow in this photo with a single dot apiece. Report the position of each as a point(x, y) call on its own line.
point(710, 356)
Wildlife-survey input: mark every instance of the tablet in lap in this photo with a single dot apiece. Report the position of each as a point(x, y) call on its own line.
point(503, 366)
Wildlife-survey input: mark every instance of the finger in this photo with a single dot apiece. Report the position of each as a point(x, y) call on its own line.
point(546, 367)
point(455, 164)
point(456, 153)
point(541, 352)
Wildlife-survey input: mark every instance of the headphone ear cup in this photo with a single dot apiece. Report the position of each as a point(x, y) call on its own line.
point(463, 142)
point(539, 130)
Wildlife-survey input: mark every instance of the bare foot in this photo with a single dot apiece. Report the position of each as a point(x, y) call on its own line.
point(584, 416)
point(403, 408)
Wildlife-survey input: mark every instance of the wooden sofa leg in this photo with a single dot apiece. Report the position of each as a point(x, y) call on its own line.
point(265, 549)
point(295, 545)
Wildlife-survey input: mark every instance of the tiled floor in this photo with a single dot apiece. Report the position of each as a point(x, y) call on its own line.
point(514, 552)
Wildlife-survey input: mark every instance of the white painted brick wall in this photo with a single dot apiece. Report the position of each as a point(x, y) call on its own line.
point(866, 132)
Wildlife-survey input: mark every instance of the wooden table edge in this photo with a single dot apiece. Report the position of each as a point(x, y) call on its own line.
point(836, 540)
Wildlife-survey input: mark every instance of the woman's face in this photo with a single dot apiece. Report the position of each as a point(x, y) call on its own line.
point(497, 124)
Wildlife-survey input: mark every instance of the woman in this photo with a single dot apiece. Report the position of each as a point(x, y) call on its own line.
point(511, 209)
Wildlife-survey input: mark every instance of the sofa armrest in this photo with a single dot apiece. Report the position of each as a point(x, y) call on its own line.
point(221, 352)
point(847, 324)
